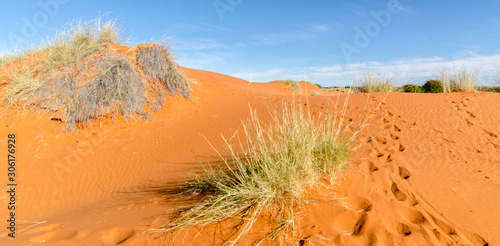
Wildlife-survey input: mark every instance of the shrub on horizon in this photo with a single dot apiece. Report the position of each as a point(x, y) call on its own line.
point(433, 86)
point(412, 88)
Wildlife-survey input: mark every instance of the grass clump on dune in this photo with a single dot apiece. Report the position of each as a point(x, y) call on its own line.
point(370, 81)
point(84, 74)
point(294, 85)
point(270, 175)
point(461, 79)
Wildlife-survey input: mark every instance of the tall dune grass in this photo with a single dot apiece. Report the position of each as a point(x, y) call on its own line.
point(459, 79)
point(271, 173)
point(371, 81)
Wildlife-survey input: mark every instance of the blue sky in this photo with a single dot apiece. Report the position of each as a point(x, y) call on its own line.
point(324, 41)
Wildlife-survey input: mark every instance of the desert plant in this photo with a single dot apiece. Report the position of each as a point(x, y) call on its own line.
point(319, 86)
point(278, 161)
point(82, 75)
point(465, 79)
point(443, 76)
point(159, 67)
point(315, 93)
point(369, 81)
point(412, 88)
point(117, 88)
point(433, 86)
point(293, 85)
point(23, 84)
point(461, 79)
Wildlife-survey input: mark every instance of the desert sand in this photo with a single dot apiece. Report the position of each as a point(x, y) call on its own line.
point(427, 170)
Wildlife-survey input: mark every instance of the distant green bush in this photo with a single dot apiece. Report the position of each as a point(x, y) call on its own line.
point(433, 86)
point(412, 88)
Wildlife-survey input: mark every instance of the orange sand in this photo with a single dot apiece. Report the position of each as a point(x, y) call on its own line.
point(427, 172)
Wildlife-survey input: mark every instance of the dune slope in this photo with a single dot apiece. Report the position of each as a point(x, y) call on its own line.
point(427, 170)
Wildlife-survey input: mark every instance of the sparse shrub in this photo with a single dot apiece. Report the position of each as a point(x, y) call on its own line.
point(433, 86)
point(319, 86)
point(369, 81)
point(315, 93)
point(271, 173)
point(412, 88)
point(117, 88)
point(82, 75)
point(159, 67)
point(293, 85)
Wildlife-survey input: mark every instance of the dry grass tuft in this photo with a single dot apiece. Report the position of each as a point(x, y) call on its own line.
point(294, 85)
point(117, 88)
point(370, 81)
point(271, 173)
point(159, 67)
point(461, 79)
point(82, 76)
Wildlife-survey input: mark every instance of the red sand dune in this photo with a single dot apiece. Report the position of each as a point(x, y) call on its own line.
point(427, 171)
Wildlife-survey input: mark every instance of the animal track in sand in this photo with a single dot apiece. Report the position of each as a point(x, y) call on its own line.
point(375, 153)
point(411, 215)
point(349, 222)
point(492, 145)
point(394, 137)
point(117, 235)
point(471, 114)
point(400, 196)
point(396, 227)
point(357, 203)
point(389, 158)
point(493, 135)
point(444, 227)
point(368, 166)
point(402, 172)
point(397, 147)
point(396, 128)
point(401, 148)
point(381, 140)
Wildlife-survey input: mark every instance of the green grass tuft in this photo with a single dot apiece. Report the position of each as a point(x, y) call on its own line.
point(271, 173)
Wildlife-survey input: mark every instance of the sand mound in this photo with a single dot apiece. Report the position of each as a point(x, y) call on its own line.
point(110, 80)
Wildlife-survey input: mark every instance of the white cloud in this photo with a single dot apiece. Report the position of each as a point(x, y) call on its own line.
point(406, 69)
point(306, 33)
